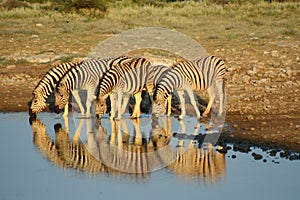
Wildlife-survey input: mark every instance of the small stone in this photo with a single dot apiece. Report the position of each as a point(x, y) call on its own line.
point(257, 156)
point(223, 150)
point(11, 67)
point(275, 162)
point(39, 25)
point(273, 153)
point(295, 157)
point(252, 129)
point(249, 117)
point(274, 53)
point(244, 148)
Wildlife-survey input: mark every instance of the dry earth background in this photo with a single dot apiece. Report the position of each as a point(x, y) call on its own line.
point(263, 56)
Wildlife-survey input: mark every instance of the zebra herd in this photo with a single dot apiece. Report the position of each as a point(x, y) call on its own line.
point(120, 77)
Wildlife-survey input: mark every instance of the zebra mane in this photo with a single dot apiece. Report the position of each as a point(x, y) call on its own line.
point(115, 69)
point(53, 76)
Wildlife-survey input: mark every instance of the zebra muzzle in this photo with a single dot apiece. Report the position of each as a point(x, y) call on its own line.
point(57, 110)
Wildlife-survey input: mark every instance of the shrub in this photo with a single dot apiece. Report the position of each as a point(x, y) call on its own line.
point(69, 5)
point(11, 4)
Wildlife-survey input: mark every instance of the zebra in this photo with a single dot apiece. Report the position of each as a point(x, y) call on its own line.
point(155, 74)
point(120, 81)
point(189, 76)
point(47, 85)
point(84, 76)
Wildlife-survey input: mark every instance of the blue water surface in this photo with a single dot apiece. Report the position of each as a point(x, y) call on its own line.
point(27, 174)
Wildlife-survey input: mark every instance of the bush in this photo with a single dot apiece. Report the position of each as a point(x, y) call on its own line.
point(11, 4)
point(69, 5)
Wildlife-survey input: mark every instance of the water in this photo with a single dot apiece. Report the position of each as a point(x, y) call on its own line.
point(40, 164)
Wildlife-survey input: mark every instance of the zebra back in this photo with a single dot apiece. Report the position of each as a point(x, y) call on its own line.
point(212, 68)
point(167, 83)
point(87, 74)
point(193, 75)
point(156, 72)
point(116, 72)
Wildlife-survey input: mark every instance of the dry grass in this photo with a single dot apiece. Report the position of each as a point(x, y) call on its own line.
point(26, 31)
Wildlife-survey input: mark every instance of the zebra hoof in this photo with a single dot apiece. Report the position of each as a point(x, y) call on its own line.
point(134, 117)
point(180, 117)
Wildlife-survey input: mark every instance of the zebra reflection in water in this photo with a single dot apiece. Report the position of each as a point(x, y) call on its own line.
point(198, 160)
point(64, 152)
point(115, 147)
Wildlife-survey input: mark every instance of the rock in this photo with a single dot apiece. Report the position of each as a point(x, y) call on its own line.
point(274, 53)
point(11, 67)
point(244, 148)
point(285, 154)
point(273, 153)
point(249, 117)
point(295, 157)
point(257, 156)
point(43, 58)
point(223, 150)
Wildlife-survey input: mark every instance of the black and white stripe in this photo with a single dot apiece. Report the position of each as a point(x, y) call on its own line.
point(85, 77)
point(120, 81)
point(47, 85)
point(202, 74)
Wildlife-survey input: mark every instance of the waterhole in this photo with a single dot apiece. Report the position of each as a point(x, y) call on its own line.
point(51, 157)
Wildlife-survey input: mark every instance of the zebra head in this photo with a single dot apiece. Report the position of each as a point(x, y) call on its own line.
point(61, 96)
point(38, 103)
point(160, 136)
point(100, 106)
point(159, 102)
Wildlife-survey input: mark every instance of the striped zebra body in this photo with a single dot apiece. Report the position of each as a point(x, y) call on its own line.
point(213, 70)
point(155, 74)
point(47, 85)
point(189, 76)
point(85, 77)
point(172, 80)
point(121, 81)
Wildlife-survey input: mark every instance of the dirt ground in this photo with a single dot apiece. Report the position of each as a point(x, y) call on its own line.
point(263, 90)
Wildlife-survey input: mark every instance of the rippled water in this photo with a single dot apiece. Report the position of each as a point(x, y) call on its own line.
point(133, 160)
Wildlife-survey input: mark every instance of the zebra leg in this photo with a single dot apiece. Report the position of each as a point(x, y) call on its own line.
point(136, 111)
point(182, 102)
point(221, 93)
point(119, 104)
point(78, 100)
point(66, 110)
point(112, 105)
point(125, 103)
point(150, 89)
point(169, 104)
point(210, 102)
point(193, 102)
point(90, 97)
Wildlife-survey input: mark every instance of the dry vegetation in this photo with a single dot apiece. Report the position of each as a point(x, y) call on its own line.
point(259, 40)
